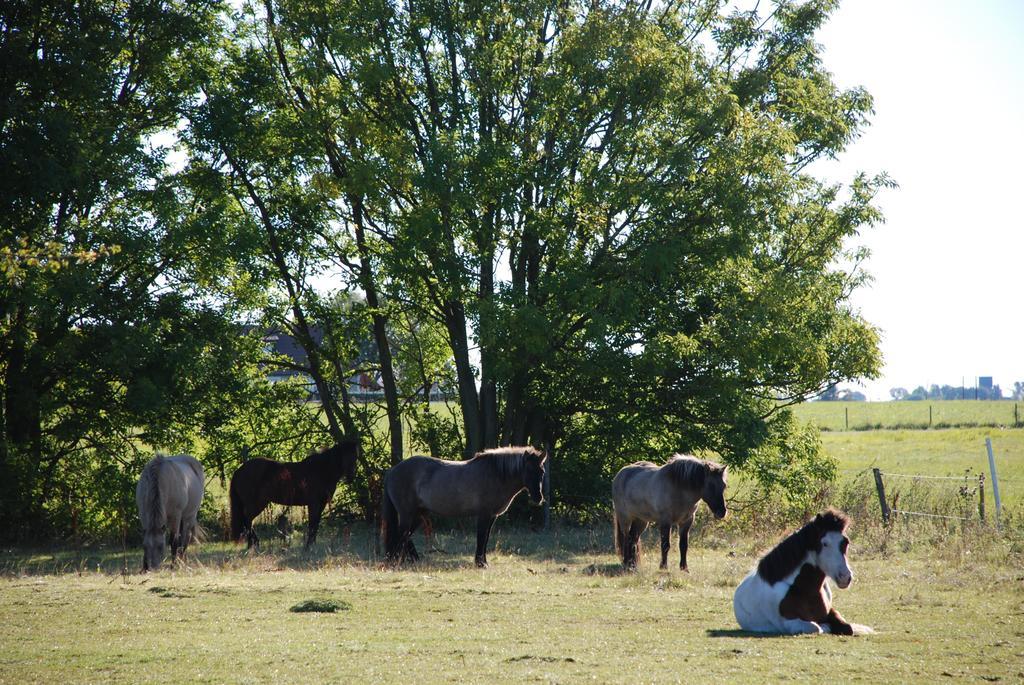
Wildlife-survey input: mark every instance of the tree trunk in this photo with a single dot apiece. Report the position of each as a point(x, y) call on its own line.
point(488, 383)
point(455, 321)
point(380, 333)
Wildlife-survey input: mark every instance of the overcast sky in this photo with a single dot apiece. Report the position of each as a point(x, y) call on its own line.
point(948, 82)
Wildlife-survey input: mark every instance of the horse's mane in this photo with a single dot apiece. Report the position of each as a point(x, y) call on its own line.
point(689, 472)
point(508, 462)
point(785, 557)
point(152, 504)
point(327, 453)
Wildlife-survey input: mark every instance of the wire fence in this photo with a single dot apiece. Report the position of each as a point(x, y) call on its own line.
point(935, 516)
point(917, 476)
point(927, 497)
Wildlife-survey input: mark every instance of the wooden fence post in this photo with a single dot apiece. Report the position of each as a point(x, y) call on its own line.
point(981, 496)
point(881, 495)
point(847, 418)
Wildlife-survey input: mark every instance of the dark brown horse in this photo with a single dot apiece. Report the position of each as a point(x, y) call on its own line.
point(310, 483)
point(666, 495)
point(483, 486)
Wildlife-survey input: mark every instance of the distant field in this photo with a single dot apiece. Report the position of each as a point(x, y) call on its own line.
point(834, 416)
point(948, 452)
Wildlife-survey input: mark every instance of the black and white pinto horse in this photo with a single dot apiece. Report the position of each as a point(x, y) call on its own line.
point(788, 592)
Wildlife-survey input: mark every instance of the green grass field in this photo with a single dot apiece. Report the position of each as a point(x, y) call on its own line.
point(547, 610)
point(948, 452)
point(837, 416)
point(946, 597)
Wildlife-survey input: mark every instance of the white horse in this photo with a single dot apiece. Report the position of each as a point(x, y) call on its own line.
point(787, 592)
point(169, 493)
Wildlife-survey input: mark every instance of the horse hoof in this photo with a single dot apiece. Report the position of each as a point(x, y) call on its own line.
point(480, 563)
point(683, 567)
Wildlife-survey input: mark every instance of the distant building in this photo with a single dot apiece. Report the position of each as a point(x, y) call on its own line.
point(362, 385)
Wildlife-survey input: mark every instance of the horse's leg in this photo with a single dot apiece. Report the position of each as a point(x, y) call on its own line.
point(184, 535)
point(316, 509)
point(836, 624)
point(626, 550)
point(483, 532)
point(636, 529)
point(175, 530)
point(795, 626)
point(666, 542)
point(249, 514)
point(684, 542)
point(408, 548)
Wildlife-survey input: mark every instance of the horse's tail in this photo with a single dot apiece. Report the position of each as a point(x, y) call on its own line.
point(236, 511)
point(389, 524)
point(620, 535)
point(152, 514)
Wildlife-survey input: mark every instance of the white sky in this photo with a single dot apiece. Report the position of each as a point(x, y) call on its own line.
point(948, 81)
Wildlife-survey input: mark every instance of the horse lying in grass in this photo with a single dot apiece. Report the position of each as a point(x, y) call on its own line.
point(310, 482)
point(483, 486)
point(788, 593)
point(665, 495)
point(168, 495)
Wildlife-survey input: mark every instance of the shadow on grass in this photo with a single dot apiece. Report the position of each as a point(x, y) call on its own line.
point(448, 549)
point(738, 632)
point(612, 570)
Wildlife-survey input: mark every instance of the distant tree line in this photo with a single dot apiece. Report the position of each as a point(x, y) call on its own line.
point(955, 392)
point(834, 394)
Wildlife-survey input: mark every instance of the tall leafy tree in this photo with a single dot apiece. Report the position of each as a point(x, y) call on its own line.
point(95, 350)
point(610, 201)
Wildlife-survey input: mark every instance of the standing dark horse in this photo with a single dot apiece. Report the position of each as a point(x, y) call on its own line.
point(310, 482)
point(668, 495)
point(787, 592)
point(483, 486)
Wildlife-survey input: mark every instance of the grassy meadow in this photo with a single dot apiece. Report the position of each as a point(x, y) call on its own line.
point(945, 596)
point(942, 452)
point(553, 607)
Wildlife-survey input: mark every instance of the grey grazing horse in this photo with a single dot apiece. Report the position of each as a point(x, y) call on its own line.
point(483, 486)
point(665, 495)
point(169, 493)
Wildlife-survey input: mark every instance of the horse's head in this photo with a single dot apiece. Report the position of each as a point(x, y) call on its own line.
point(153, 547)
point(713, 492)
point(346, 454)
point(830, 527)
point(533, 474)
